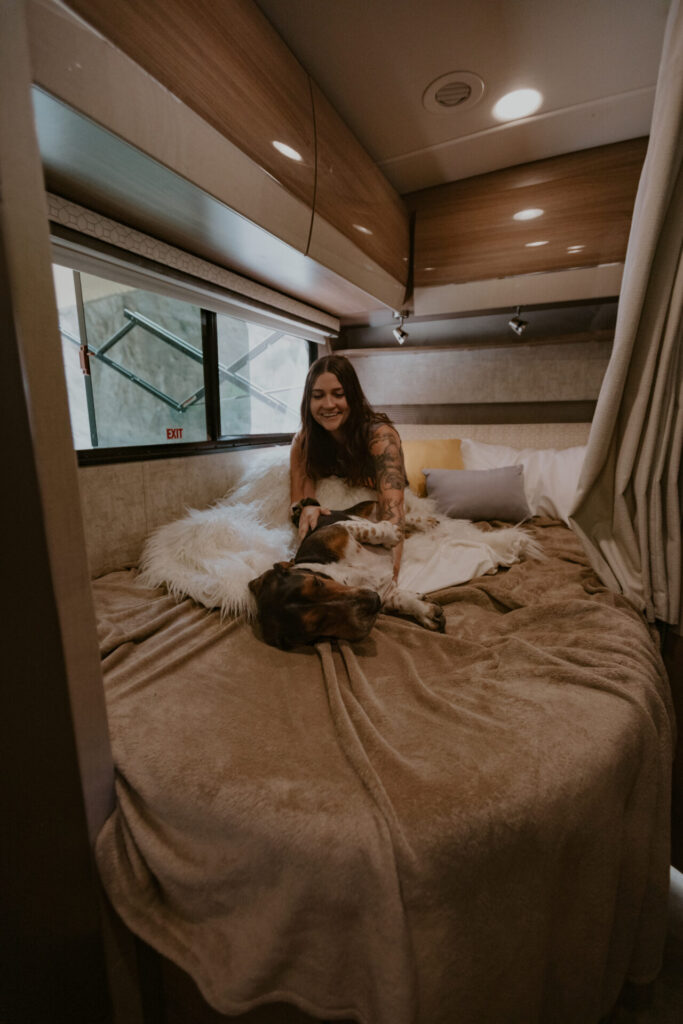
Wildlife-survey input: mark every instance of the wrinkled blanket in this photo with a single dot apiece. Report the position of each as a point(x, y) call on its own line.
point(415, 829)
point(211, 554)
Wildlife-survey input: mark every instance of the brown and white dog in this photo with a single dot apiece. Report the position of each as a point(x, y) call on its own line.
point(338, 582)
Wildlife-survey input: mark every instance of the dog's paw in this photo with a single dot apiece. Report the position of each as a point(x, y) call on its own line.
point(390, 534)
point(419, 523)
point(382, 534)
point(432, 617)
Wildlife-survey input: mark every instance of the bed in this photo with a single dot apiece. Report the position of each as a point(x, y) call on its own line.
point(415, 829)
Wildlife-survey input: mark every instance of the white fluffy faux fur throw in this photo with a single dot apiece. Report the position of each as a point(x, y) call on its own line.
point(211, 555)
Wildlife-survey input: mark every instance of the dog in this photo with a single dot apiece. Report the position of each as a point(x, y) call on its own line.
point(338, 582)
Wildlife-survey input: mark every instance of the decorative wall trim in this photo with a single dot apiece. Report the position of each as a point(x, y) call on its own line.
point(492, 412)
point(557, 287)
point(516, 435)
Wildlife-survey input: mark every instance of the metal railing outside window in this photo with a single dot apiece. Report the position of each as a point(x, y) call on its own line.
point(144, 370)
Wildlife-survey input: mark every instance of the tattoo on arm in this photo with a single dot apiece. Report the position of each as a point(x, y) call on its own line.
point(392, 510)
point(385, 448)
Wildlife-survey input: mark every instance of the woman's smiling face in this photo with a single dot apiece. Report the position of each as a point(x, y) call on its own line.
point(329, 407)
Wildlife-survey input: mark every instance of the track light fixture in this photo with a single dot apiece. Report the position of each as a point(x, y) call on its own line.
point(517, 324)
point(398, 332)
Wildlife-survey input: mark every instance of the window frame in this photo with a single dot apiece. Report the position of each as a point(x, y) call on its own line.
point(79, 256)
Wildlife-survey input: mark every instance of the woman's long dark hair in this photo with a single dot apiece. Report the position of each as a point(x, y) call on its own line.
point(322, 455)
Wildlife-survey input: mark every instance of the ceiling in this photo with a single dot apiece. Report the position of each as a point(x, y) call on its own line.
point(594, 61)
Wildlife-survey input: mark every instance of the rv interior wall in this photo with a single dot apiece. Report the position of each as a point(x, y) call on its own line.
point(525, 384)
point(124, 502)
point(51, 929)
point(56, 779)
point(27, 249)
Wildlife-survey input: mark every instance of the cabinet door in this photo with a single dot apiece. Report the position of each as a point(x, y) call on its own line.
point(228, 64)
point(354, 197)
point(575, 212)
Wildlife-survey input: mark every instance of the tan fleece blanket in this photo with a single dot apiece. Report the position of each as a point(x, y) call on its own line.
point(417, 828)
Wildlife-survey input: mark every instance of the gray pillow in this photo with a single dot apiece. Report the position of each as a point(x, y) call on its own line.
point(479, 493)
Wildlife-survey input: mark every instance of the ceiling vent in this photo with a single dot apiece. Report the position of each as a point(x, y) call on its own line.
point(458, 90)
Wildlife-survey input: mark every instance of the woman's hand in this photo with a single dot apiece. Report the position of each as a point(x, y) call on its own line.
point(302, 492)
point(309, 519)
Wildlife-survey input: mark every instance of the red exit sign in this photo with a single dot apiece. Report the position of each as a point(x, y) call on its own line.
point(174, 433)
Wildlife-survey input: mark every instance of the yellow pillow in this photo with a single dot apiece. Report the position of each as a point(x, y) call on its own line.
point(419, 455)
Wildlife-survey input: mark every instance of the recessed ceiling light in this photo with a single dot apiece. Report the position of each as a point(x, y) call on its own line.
point(519, 103)
point(532, 245)
point(363, 230)
point(529, 214)
point(287, 151)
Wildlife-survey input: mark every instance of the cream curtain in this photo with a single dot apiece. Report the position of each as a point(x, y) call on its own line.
point(628, 504)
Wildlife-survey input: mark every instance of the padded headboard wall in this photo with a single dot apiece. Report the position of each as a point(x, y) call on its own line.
point(544, 382)
point(123, 503)
point(516, 435)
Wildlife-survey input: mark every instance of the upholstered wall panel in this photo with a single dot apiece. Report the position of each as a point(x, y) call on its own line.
point(532, 373)
point(123, 503)
point(517, 435)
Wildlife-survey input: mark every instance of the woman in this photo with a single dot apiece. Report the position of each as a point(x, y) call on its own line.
point(341, 435)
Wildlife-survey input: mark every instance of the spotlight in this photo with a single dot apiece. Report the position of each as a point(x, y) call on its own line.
point(517, 324)
point(399, 334)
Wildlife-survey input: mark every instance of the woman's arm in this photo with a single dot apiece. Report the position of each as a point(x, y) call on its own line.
point(301, 486)
point(385, 449)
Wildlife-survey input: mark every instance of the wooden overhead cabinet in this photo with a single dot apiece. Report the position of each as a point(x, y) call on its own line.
point(243, 148)
point(471, 230)
point(356, 203)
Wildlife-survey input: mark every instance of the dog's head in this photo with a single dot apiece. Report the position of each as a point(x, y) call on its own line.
point(298, 606)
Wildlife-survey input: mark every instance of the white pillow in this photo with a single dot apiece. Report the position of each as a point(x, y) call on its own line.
point(551, 475)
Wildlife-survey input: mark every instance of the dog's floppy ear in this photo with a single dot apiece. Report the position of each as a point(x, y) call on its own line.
point(256, 584)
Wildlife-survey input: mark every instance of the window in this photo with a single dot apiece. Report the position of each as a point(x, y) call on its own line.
point(144, 368)
point(261, 372)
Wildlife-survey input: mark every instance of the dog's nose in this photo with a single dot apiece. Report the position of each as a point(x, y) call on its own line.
point(376, 601)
